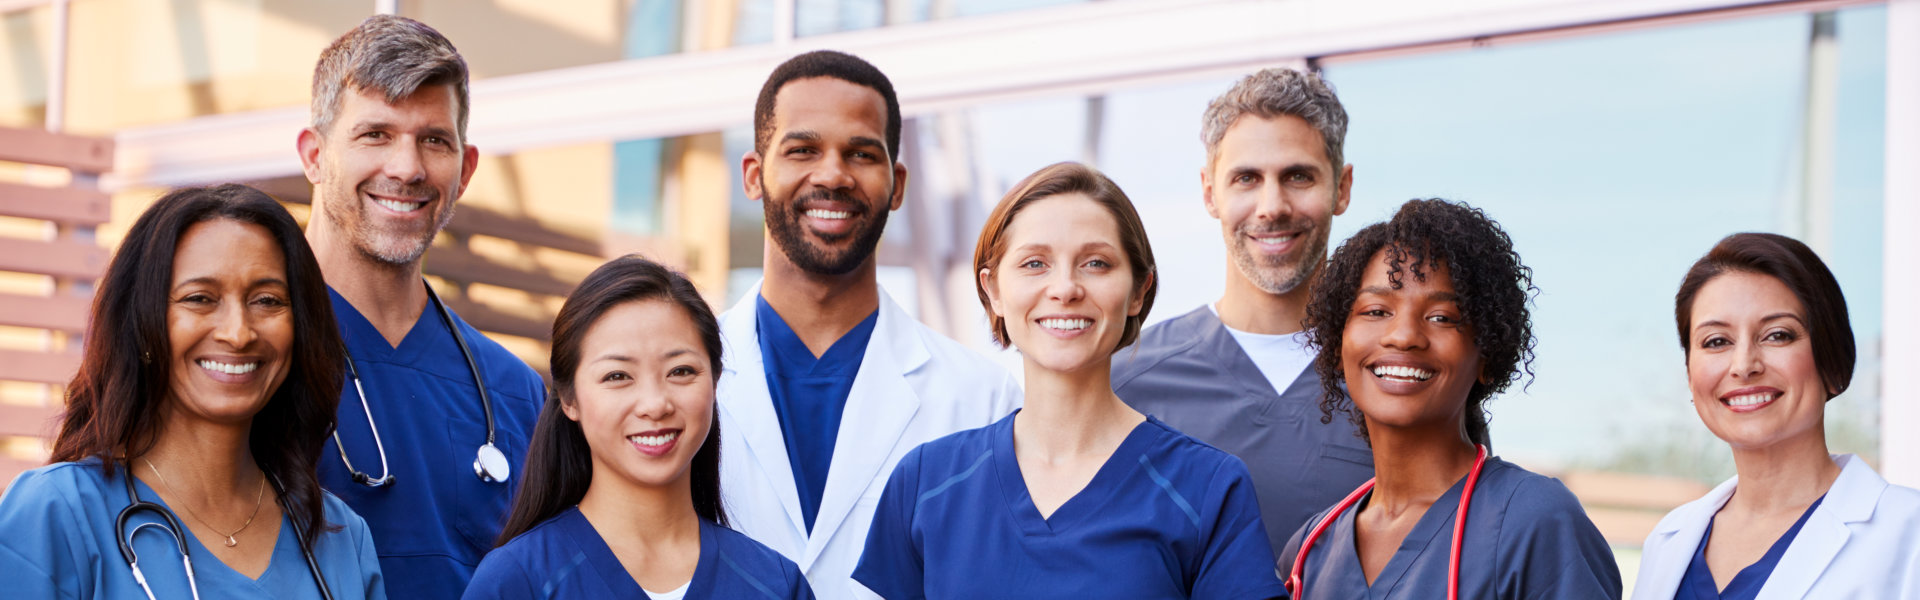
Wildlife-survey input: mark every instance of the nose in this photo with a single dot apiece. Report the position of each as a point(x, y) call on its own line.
point(233, 325)
point(404, 163)
point(833, 173)
point(1272, 204)
point(1746, 361)
point(1404, 332)
point(1064, 286)
point(653, 403)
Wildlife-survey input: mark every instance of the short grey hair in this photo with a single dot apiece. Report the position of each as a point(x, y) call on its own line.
point(1271, 94)
point(395, 56)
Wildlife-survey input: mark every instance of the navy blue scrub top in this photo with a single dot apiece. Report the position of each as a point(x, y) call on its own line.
point(1698, 583)
point(60, 541)
point(565, 557)
point(1165, 517)
point(436, 520)
point(809, 395)
point(1527, 537)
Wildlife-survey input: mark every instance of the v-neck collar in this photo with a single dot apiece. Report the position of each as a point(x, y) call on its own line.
point(1438, 519)
point(195, 548)
point(788, 354)
point(373, 345)
point(622, 584)
point(1084, 503)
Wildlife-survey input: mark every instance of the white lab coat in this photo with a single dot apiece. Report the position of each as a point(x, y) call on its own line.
point(1862, 542)
point(914, 386)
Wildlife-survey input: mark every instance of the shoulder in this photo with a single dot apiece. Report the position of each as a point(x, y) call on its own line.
point(951, 358)
point(1158, 344)
point(338, 513)
point(750, 555)
point(1526, 493)
point(55, 485)
point(1170, 443)
point(957, 451)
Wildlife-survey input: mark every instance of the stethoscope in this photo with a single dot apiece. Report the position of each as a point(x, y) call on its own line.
point(1459, 529)
point(489, 463)
point(173, 530)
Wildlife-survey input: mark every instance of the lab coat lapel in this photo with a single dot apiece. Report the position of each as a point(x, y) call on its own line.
point(1851, 499)
point(748, 403)
point(1677, 536)
point(878, 409)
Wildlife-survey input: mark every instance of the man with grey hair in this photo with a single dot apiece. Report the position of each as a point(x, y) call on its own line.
point(1237, 374)
point(435, 415)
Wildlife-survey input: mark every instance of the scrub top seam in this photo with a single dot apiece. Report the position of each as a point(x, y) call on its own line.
point(742, 574)
point(952, 481)
point(1167, 486)
point(547, 590)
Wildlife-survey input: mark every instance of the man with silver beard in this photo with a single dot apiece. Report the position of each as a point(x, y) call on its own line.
point(1237, 374)
point(825, 383)
point(421, 450)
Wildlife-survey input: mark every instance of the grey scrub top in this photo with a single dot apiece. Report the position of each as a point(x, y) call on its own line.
point(1190, 373)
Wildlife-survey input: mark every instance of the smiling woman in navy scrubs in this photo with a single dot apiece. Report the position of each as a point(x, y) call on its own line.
point(622, 493)
point(1077, 495)
point(1418, 322)
point(1767, 344)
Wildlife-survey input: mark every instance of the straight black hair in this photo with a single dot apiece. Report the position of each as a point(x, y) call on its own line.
point(559, 464)
point(115, 401)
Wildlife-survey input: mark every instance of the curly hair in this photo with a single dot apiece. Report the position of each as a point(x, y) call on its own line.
point(1493, 286)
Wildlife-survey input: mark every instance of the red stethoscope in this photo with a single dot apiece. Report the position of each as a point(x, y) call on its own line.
point(1459, 530)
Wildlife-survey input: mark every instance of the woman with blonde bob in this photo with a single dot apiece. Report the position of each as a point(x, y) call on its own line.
point(1076, 495)
point(1767, 344)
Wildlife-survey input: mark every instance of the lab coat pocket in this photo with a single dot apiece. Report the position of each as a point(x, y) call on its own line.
point(479, 507)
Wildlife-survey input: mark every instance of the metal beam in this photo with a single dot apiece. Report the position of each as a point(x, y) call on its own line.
point(1079, 49)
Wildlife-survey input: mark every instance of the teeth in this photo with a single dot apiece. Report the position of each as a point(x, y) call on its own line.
point(1066, 324)
point(400, 206)
point(229, 369)
point(1280, 239)
point(1749, 399)
point(1392, 372)
point(653, 440)
point(829, 214)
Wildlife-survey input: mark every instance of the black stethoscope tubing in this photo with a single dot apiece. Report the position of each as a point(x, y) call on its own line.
point(178, 533)
point(489, 463)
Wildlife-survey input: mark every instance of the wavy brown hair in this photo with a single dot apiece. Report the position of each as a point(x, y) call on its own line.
point(116, 402)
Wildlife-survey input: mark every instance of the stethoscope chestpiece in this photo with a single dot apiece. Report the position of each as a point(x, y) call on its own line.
point(491, 464)
point(371, 481)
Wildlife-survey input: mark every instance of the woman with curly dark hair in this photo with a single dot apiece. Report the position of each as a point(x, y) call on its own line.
point(1418, 321)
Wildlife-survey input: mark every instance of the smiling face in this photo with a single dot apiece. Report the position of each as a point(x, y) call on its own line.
point(827, 181)
point(1275, 193)
point(1063, 285)
point(229, 321)
point(1750, 362)
point(1407, 354)
point(387, 176)
point(643, 394)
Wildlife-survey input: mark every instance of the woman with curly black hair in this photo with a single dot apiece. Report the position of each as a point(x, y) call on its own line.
point(1418, 321)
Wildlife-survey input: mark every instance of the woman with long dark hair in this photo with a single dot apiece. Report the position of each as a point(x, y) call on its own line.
point(622, 493)
point(211, 374)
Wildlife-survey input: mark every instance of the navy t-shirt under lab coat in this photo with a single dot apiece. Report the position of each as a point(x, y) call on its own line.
point(564, 558)
point(809, 394)
point(1526, 538)
point(435, 521)
point(1165, 517)
point(1698, 583)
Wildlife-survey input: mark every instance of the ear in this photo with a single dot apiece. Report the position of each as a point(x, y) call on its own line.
point(1206, 191)
point(469, 160)
point(1140, 299)
point(571, 409)
point(993, 292)
point(899, 185)
point(750, 175)
point(308, 145)
point(1346, 190)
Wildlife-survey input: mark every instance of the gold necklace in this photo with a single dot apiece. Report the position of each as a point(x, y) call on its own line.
point(258, 493)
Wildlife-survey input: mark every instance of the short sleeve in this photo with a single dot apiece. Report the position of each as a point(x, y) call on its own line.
point(40, 554)
point(1558, 552)
point(892, 565)
point(499, 577)
point(1238, 559)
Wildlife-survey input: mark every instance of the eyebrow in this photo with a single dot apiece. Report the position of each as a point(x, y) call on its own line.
point(1769, 318)
point(805, 135)
point(618, 357)
point(433, 130)
point(1036, 247)
point(1387, 291)
point(210, 280)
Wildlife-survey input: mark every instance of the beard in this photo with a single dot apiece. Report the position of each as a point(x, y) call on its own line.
point(783, 224)
point(1277, 274)
point(386, 244)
